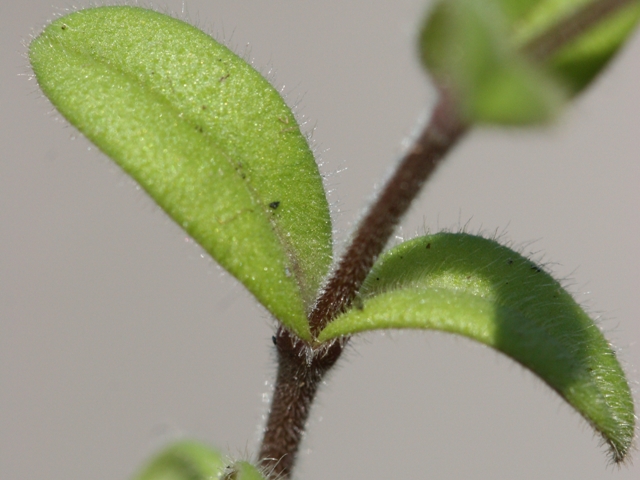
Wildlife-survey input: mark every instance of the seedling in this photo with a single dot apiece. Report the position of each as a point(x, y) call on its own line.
point(218, 149)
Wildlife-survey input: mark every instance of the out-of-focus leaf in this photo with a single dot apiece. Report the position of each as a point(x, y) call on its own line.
point(472, 286)
point(205, 135)
point(475, 50)
point(184, 461)
point(194, 461)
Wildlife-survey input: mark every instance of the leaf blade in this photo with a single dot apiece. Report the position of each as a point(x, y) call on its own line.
point(205, 135)
point(474, 287)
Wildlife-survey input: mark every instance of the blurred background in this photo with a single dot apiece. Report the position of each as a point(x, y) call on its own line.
point(117, 335)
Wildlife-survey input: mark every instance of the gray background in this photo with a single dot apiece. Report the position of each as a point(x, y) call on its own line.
point(117, 335)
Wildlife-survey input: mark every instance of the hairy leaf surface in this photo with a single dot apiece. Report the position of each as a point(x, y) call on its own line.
point(205, 135)
point(475, 50)
point(472, 286)
point(190, 460)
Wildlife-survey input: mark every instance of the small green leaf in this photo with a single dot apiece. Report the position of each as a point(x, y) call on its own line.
point(205, 135)
point(474, 49)
point(580, 61)
point(184, 461)
point(472, 286)
point(190, 460)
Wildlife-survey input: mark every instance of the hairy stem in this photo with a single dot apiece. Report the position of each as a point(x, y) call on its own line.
point(371, 236)
point(300, 371)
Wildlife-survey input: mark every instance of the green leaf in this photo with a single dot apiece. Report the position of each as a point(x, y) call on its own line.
point(205, 135)
point(184, 461)
point(475, 50)
point(190, 460)
point(472, 286)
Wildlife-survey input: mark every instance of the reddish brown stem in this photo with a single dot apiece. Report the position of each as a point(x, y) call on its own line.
point(300, 371)
point(373, 233)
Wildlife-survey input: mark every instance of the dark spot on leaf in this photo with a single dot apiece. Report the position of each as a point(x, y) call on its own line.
point(509, 261)
point(199, 129)
point(238, 168)
point(536, 268)
point(63, 27)
point(274, 205)
point(428, 245)
point(204, 107)
point(377, 278)
point(223, 78)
